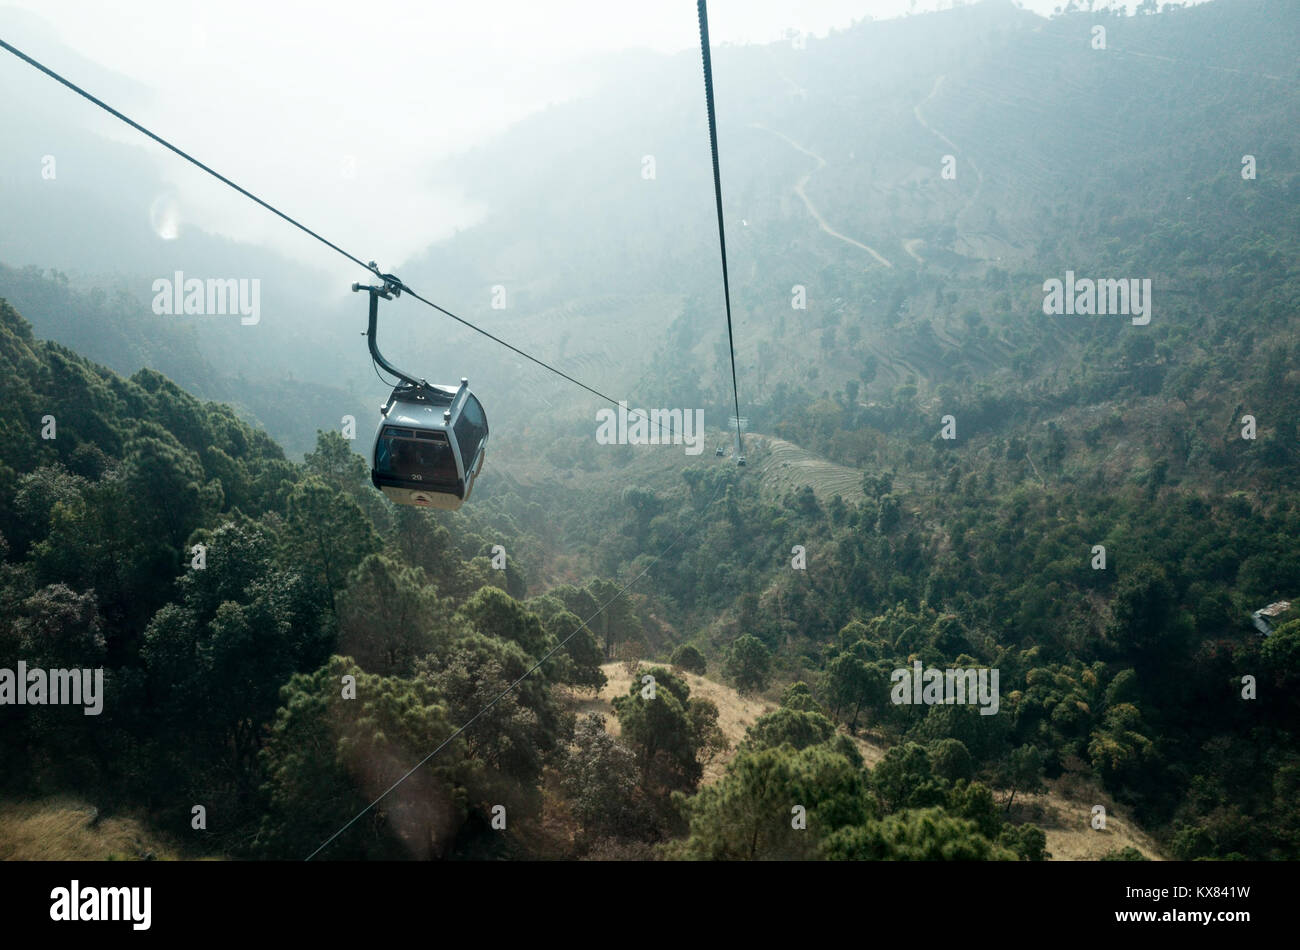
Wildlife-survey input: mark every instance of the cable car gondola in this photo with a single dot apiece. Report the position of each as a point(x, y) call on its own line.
point(431, 441)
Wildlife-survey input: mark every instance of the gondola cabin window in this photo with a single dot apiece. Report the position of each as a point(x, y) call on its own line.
point(471, 430)
point(417, 456)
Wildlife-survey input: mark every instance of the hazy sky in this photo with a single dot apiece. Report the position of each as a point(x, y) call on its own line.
point(329, 108)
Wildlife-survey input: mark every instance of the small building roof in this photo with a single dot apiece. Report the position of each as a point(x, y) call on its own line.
point(1275, 608)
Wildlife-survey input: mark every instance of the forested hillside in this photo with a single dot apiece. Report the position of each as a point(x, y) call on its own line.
point(102, 523)
point(221, 686)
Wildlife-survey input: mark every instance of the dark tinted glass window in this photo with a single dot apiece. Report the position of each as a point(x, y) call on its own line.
point(471, 430)
point(413, 459)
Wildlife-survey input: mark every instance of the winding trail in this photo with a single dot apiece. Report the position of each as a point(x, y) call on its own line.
point(979, 176)
point(812, 209)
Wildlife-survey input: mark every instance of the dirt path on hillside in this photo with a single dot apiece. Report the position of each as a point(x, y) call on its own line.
point(979, 176)
point(812, 208)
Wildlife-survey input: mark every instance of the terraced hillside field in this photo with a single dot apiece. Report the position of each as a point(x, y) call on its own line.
point(787, 467)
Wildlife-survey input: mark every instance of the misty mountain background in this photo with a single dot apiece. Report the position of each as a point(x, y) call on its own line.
point(1063, 155)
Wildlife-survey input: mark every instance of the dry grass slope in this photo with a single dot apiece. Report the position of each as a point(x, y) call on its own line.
point(1064, 812)
point(63, 829)
point(736, 713)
